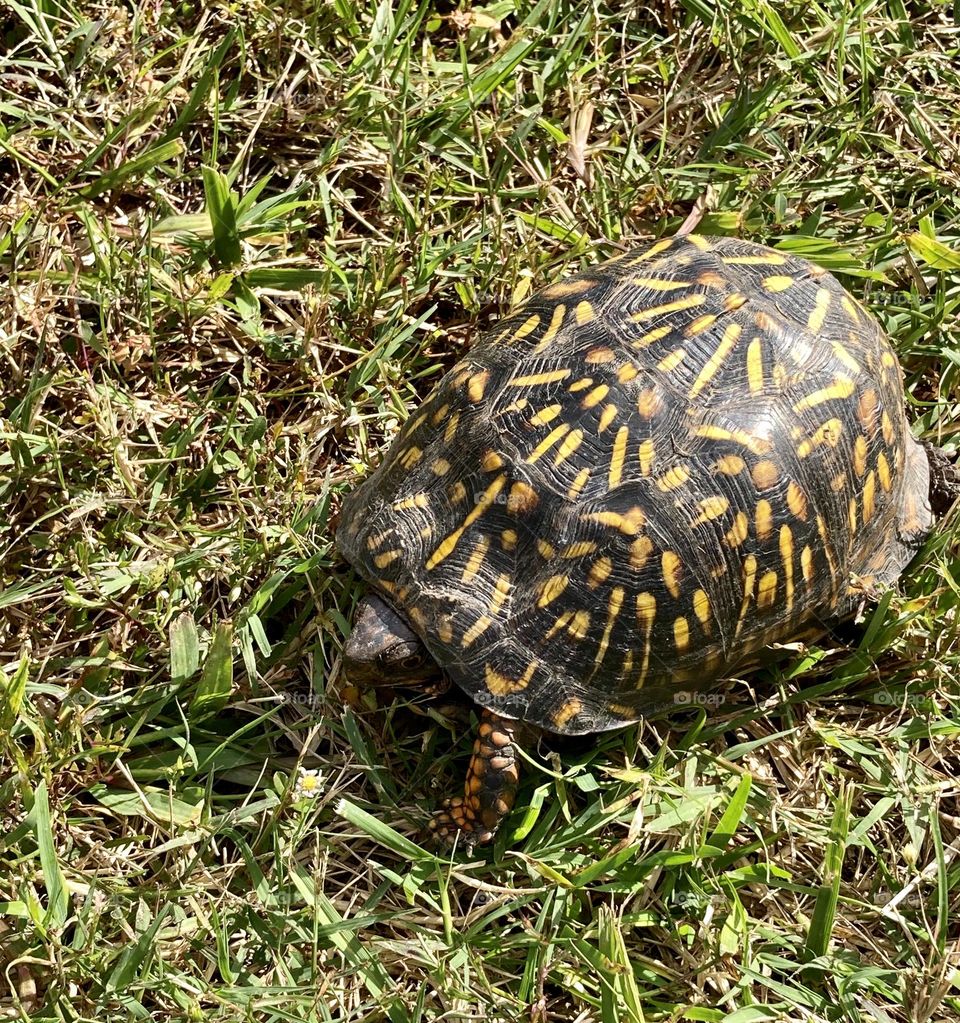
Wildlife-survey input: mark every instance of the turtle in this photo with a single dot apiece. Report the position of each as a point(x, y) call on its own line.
point(641, 479)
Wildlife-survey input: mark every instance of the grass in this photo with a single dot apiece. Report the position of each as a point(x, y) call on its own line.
point(238, 242)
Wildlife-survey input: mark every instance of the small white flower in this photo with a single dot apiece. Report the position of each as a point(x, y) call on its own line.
point(308, 784)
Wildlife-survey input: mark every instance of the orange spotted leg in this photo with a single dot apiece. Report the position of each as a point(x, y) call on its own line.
point(490, 789)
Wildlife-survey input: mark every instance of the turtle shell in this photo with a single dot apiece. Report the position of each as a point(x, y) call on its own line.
point(644, 475)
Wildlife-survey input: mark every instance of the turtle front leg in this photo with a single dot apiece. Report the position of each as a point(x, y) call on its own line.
point(491, 785)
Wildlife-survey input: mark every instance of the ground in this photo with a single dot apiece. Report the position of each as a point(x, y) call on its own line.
point(238, 242)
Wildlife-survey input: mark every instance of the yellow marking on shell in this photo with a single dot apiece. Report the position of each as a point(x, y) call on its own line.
point(649, 402)
point(887, 360)
point(797, 501)
point(417, 617)
point(711, 279)
point(673, 478)
point(502, 685)
point(579, 549)
point(599, 356)
point(640, 551)
point(452, 539)
point(627, 372)
point(561, 623)
point(414, 501)
point(766, 474)
point(838, 482)
point(867, 410)
point(766, 259)
point(515, 406)
point(646, 453)
point(550, 376)
point(755, 365)
point(619, 456)
point(786, 553)
point(629, 523)
point(883, 471)
point(654, 250)
point(713, 364)
point(522, 499)
point(546, 415)
point(595, 396)
point(827, 434)
point(700, 324)
point(501, 590)
point(735, 300)
point(450, 430)
point(729, 465)
point(376, 539)
point(386, 558)
point(852, 514)
point(475, 631)
point(764, 519)
point(711, 431)
point(842, 387)
point(681, 634)
point(845, 357)
point(827, 549)
point(583, 313)
point(440, 467)
point(678, 304)
point(477, 385)
point(670, 362)
point(551, 589)
point(546, 549)
point(710, 508)
point(567, 289)
point(659, 284)
point(580, 624)
point(886, 425)
point(528, 326)
point(491, 461)
point(652, 336)
point(749, 577)
point(777, 282)
point(457, 493)
point(599, 572)
point(607, 417)
point(701, 607)
point(646, 615)
point(578, 484)
point(850, 308)
point(445, 630)
point(580, 385)
point(767, 589)
point(739, 531)
point(820, 309)
point(556, 322)
point(613, 609)
point(410, 456)
point(547, 443)
point(806, 565)
point(860, 455)
point(508, 539)
point(671, 566)
point(570, 443)
point(869, 495)
point(566, 712)
point(699, 242)
point(441, 414)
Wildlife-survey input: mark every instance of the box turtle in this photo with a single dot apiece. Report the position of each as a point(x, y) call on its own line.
point(630, 486)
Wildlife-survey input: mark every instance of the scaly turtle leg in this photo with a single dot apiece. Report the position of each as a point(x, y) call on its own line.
point(944, 480)
point(491, 785)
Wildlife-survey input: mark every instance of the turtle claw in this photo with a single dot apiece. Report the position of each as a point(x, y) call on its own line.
point(455, 822)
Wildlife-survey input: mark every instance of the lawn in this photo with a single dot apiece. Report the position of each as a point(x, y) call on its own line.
point(238, 243)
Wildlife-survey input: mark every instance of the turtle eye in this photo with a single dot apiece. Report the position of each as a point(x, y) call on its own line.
point(413, 662)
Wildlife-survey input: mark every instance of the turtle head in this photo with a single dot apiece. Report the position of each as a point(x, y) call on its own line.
point(384, 650)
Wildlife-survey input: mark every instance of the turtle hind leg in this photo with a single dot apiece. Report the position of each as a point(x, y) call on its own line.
point(490, 789)
point(944, 480)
